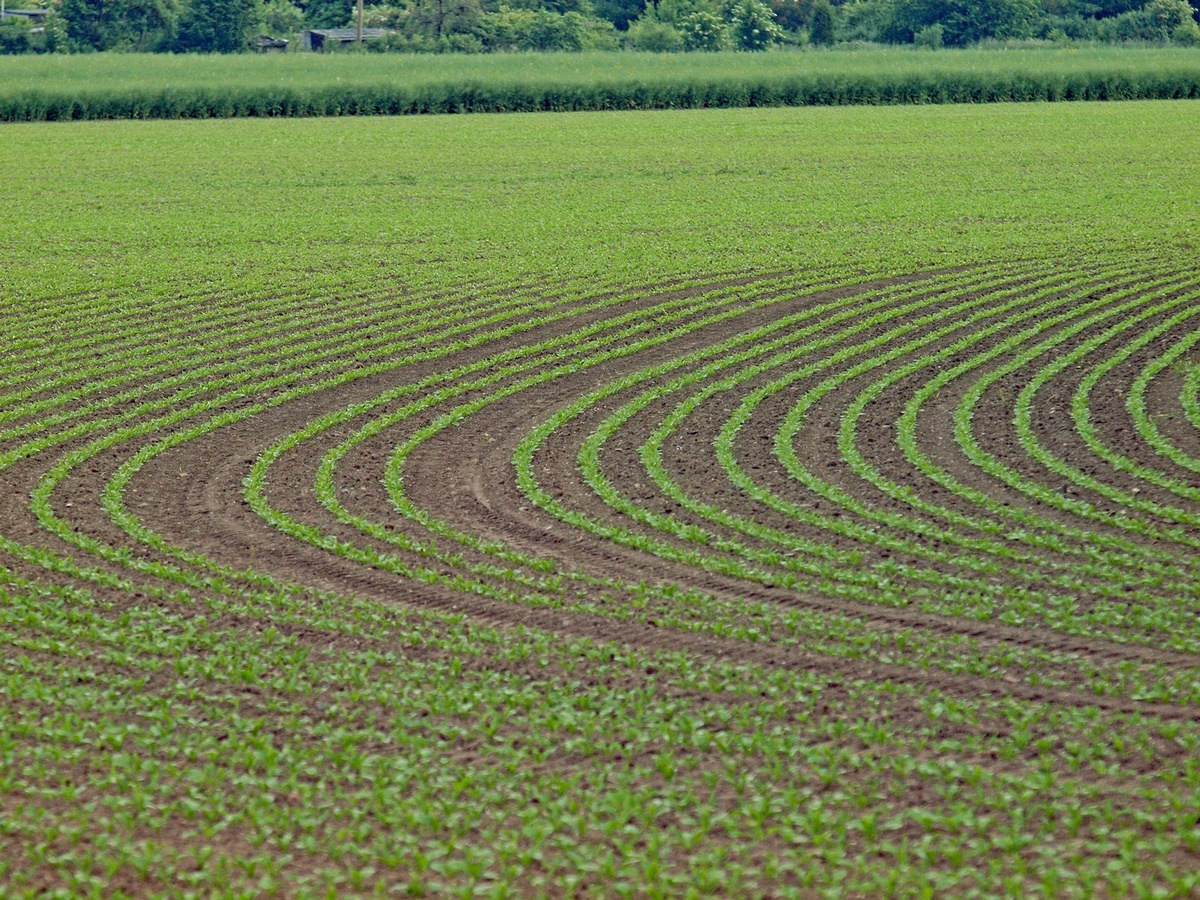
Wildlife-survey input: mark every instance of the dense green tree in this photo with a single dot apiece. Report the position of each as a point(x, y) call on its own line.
point(752, 25)
point(281, 17)
point(653, 35)
point(864, 20)
point(1172, 18)
point(702, 30)
point(384, 15)
point(89, 23)
point(435, 18)
point(1159, 21)
point(792, 15)
point(673, 12)
point(619, 12)
point(149, 22)
point(963, 21)
point(821, 28)
point(583, 7)
point(137, 25)
point(1104, 9)
point(217, 26)
point(16, 36)
point(542, 29)
point(660, 25)
point(327, 13)
point(931, 37)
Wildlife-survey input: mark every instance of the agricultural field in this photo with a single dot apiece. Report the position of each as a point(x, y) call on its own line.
point(793, 502)
point(58, 87)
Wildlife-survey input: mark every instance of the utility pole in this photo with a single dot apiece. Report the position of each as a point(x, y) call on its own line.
point(358, 39)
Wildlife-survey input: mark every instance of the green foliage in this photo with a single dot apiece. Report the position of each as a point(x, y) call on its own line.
point(15, 36)
point(436, 18)
point(528, 29)
point(674, 12)
point(931, 37)
point(131, 25)
point(327, 13)
point(673, 25)
point(282, 18)
point(619, 12)
point(1100, 9)
point(1186, 35)
point(583, 7)
point(752, 25)
point(865, 20)
point(963, 21)
point(793, 15)
point(651, 35)
point(821, 25)
point(400, 42)
point(217, 26)
point(702, 30)
point(383, 15)
point(1159, 21)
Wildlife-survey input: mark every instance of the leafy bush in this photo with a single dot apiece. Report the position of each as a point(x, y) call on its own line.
point(385, 15)
point(281, 18)
point(821, 27)
point(792, 15)
point(437, 18)
point(673, 12)
point(526, 29)
point(649, 34)
point(931, 37)
point(402, 43)
point(1186, 35)
point(619, 12)
point(752, 25)
point(461, 43)
point(327, 13)
point(863, 21)
point(1158, 22)
point(134, 25)
point(217, 26)
point(702, 31)
point(15, 35)
point(963, 21)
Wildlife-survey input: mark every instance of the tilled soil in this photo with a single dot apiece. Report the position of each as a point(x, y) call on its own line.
point(953, 587)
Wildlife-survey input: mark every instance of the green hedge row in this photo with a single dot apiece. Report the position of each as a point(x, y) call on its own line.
point(40, 105)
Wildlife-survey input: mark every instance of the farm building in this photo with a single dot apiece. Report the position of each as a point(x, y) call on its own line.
point(34, 15)
point(337, 37)
point(267, 44)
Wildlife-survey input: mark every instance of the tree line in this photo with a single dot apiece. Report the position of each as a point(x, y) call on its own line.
point(477, 26)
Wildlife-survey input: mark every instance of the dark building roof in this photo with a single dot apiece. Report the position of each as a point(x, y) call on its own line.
point(315, 38)
point(347, 34)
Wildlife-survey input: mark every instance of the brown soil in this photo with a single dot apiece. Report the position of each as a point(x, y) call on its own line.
point(192, 496)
